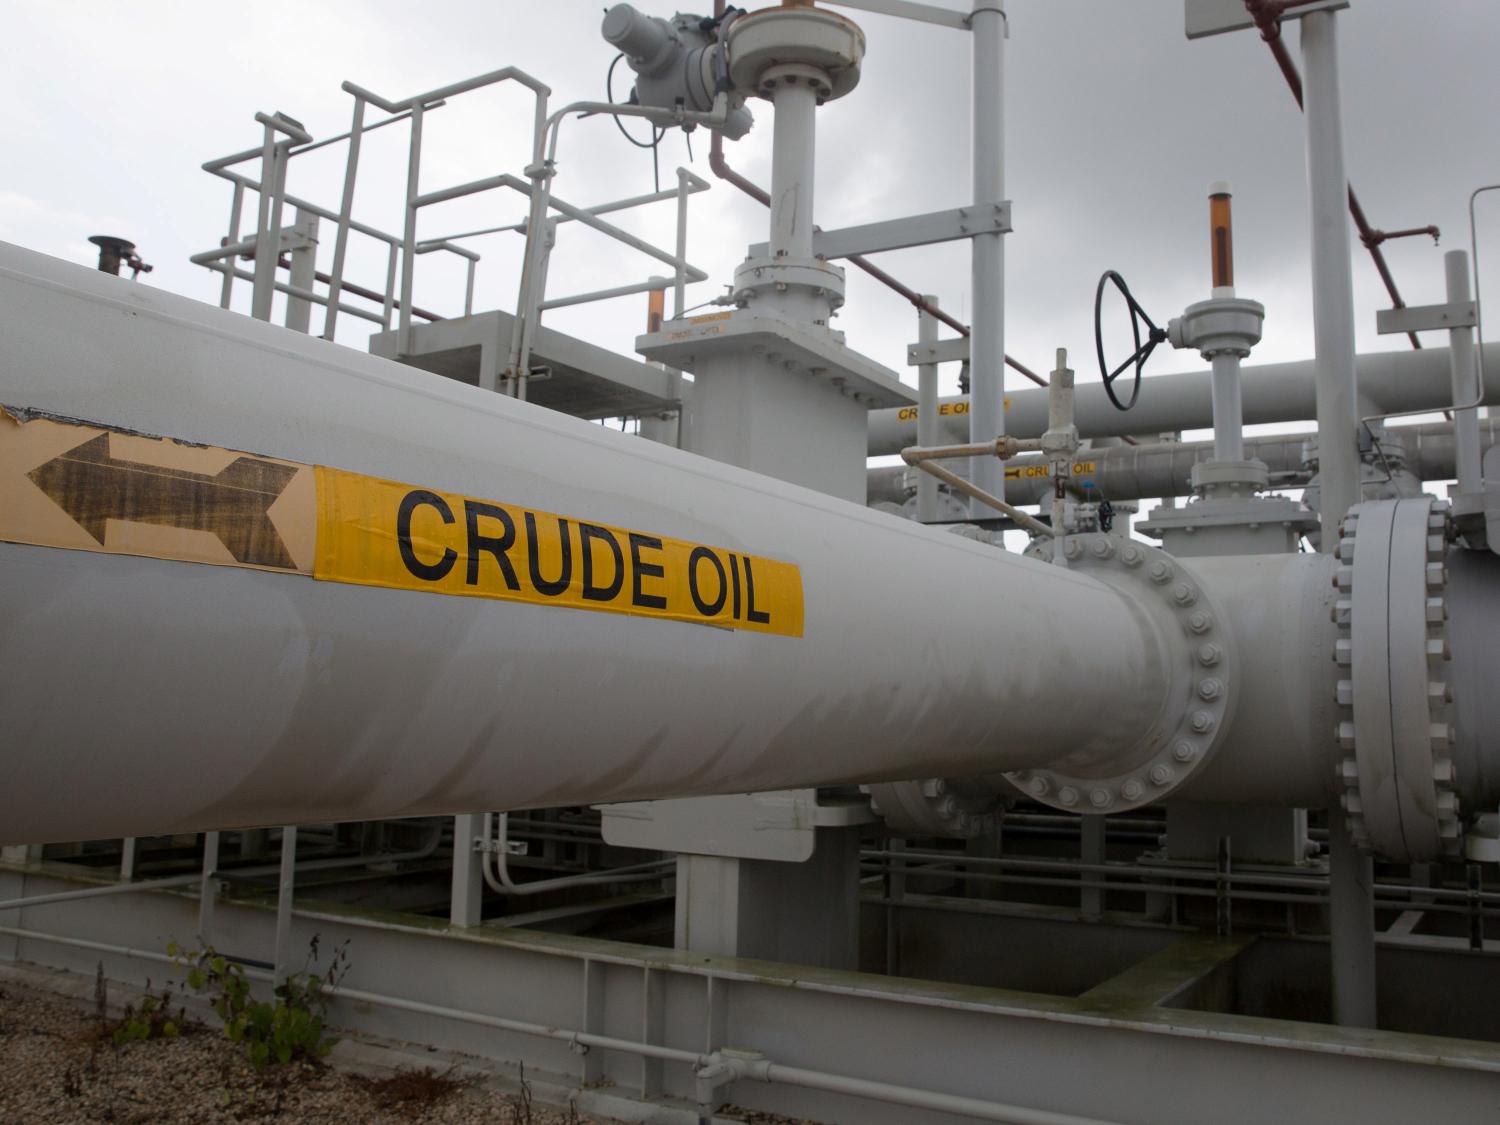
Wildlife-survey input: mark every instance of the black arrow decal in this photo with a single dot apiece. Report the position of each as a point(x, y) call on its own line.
point(93, 488)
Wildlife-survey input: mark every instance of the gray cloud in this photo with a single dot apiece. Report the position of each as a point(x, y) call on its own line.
point(1115, 125)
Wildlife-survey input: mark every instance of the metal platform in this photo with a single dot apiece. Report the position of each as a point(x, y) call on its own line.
point(581, 379)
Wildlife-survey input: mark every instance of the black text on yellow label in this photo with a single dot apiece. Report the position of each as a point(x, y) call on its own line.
point(383, 533)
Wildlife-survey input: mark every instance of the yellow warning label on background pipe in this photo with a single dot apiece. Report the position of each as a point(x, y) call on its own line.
point(87, 487)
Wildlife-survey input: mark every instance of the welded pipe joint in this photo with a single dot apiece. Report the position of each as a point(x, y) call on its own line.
point(1198, 660)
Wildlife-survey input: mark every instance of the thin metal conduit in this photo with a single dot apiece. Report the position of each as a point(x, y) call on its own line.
point(496, 856)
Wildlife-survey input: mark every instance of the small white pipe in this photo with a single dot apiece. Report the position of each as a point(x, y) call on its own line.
point(1229, 428)
point(496, 864)
point(792, 170)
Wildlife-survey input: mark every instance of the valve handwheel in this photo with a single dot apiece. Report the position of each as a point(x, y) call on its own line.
point(1154, 336)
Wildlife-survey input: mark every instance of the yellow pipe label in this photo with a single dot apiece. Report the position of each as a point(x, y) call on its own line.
point(93, 488)
point(376, 532)
point(1041, 472)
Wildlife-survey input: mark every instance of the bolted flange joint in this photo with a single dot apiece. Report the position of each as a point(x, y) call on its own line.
point(1199, 701)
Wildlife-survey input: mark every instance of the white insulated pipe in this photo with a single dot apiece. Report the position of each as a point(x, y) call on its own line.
point(987, 29)
point(144, 696)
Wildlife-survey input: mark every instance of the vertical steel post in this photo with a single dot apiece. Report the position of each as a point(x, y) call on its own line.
point(236, 209)
point(346, 211)
point(679, 285)
point(387, 309)
point(466, 904)
point(1351, 875)
point(927, 411)
point(987, 276)
point(284, 890)
point(208, 889)
point(304, 272)
point(267, 227)
point(1467, 452)
point(409, 233)
point(1091, 850)
point(1333, 284)
point(128, 853)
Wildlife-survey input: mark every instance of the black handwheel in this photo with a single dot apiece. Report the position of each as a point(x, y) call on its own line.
point(1154, 336)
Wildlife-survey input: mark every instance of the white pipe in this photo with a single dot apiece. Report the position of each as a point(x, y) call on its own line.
point(987, 273)
point(1465, 378)
point(1229, 428)
point(1333, 284)
point(1352, 909)
point(496, 865)
point(792, 170)
point(316, 693)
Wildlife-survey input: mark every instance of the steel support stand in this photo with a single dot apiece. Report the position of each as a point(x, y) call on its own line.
point(1351, 877)
point(208, 889)
point(1091, 850)
point(284, 888)
point(466, 905)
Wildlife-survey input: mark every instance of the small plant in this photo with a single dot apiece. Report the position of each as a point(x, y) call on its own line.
point(288, 1028)
point(151, 1019)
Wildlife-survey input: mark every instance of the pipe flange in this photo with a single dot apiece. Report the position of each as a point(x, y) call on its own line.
point(1200, 666)
point(960, 808)
point(756, 277)
point(1396, 779)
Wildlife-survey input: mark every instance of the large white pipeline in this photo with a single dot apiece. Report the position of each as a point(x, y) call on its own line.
point(144, 696)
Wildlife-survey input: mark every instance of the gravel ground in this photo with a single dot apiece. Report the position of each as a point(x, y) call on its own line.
point(59, 1068)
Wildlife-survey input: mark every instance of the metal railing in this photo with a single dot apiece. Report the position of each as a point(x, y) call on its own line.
point(285, 138)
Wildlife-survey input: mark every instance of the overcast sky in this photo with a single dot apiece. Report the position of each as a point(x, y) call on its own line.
point(1116, 124)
